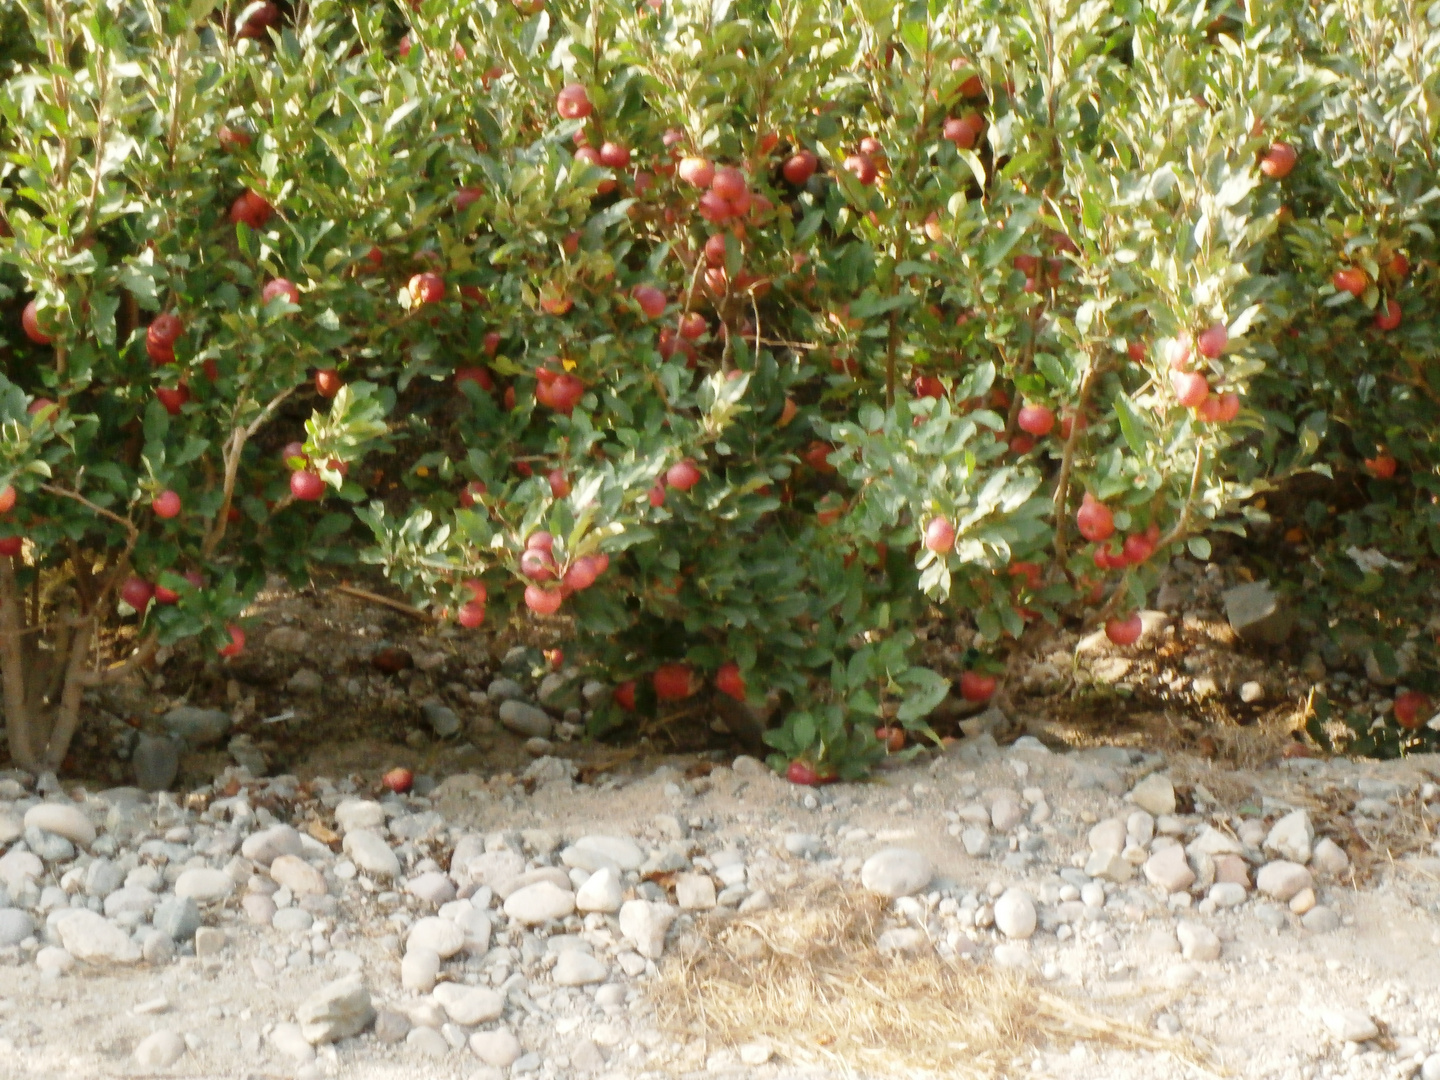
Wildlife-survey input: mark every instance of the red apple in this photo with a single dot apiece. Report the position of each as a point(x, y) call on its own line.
point(1399, 266)
point(573, 103)
point(1219, 408)
point(696, 171)
point(651, 300)
point(306, 485)
point(939, 535)
point(470, 492)
point(624, 695)
point(256, 19)
point(559, 483)
point(166, 505)
point(802, 772)
point(683, 475)
point(232, 139)
point(1278, 160)
point(251, 209)
point(1412, 709)
point(537, 565)
point(693, 326)
point(729, 681)
point(657, 495)
point(862, 167)
point(1389, 318)
point(282, 288)
point(1124, 631)
point(1035, 419)
point(799, 167)
point(237, 642)
point(398, 780)
point(166, 597)
point(137, 592)
point(1381, 466)
point(1351, 279)
point(672, 682)
point(427, 288)
point(1212, 340)
point(892, 738)
point(582, 573)
point(975, 686)
point(470, 615)
point(1138, 548)
point(964, 131)
point(1137, 351)
point(30, 323)
point(467, 197)
point(173, 398)
point(7, 498)
point(327, 382)
point(1094, 519)
point(1191, 388)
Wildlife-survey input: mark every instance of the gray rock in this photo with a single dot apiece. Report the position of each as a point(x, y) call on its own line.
point(559, 690)
point(267, 845)
point(976, 840)
point(896, 872)
point(204, 885)
point(160, 1050)
point(577, 968)
point(1281, 880)
point(499, 1048)
point(1329, 857)
point(1006, 813)
point(292, 920)
point(1257, 614)
point(1015, 914)
point(247, 755)
point(469, 1005)
point(1155, 794)
point(526, 720)
point(15, 926)
point(1291, 837)
point(48, 846)
point(91, 938)
point(197, 727)
point(645, 923)
point(1320, 920)
point(371, 853)
point(306, 681)
point(443, 720)
point(158, 948)
point(501, 690)
point(297, 875)
point(102, 877)
point(335, 1011)
point(620, 850)
point(155, 762)
point(62, 819)
point(391, 1026)
point(540, 902)
point(603, 892)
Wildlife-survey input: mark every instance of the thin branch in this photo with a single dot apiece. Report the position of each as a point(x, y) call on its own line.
point(115, 672)
point(238, 438)
point(65, 493)
point(384, 601)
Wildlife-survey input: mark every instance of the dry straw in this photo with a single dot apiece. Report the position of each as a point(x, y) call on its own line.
point(808, 979)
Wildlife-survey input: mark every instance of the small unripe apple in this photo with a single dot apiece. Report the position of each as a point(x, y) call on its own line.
point(166, 505)
point(939, 535)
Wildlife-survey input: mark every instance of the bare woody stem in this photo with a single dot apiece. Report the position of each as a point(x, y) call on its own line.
point(66, 493)
point(12, 670)
point(233, 449)
point(1067, 464)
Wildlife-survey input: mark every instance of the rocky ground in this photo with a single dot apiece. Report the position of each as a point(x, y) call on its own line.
point(1278, 923)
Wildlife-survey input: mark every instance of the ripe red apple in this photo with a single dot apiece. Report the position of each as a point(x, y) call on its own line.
point(480, 376)
point(939, 535)
point(1219, 408)
point(1191, 388)
point(972, 87)
point(166, 597)
point(928, 386)
point(1036, 419)
point(282, 288)
point(328, 382)
point(657, 495)
point(729, 681)
point(470, 492)
point(251, 209)
point(672, 682)
point(137, 592)
point(582, 573)
point(561, 392)
point(256, 19)
point(1137, 351)
point(862, 167)
point(11, 545)
point(624, 695)
point(398, 780)
point(817, 456)
point(976, 687)
point(799, 167)
point(166, 505)
point(1412, 709)
point(1178, 351)
point(1351, 279)
point(696, 171)
point(1124, 631)
point(728, 182)
point(7, 498)
point(964, 131)
point(306, 485)
point(1278, 160)
point(467, 197)
point(1389, 318)
point(543, 601)
point(160, 337)
point(1399, 266)
point(892, 738)
point(559, 483)
point(232, 139)
point(1138, 548)
point(1030, 571)
point(1094, 519)
point(573, 103)
point(651, 300)
point(30, 323)
point(537, 565)
point(802, 772)
point(427, 288)
point(470, 615)
point(1381, 466)
point(42, 409)
point(683, 475)
point(237, 642)
point(173, 398)
point(1212, 340)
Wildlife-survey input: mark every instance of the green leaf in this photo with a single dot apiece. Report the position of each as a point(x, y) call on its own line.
point(1199, 547)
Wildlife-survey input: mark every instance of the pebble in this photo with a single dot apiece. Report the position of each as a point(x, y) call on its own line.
point(443, 937)
point(289, 1040)
point(204, 885)
point(526, 720)
point(265, 846)
point(155, 762)
point(427, 1041)
point(54, 961)
point(210, 941)
point(419, 969)
point(1015, 914)
point(160, 1050)
point(645, 923)
point(371, 854)
point(158, 948)
point(297, 875)
point(359, 814)
point(62, 820)
point(432, 887)
point(540, 902)
point(577, 968)
point(15, 926)
point(336, 1011)
point(1350, 1025)
point(469, 1005)
point(1168, 870)
point(1227, 894)
point(620, 850)
point(1197, 941)
point(1010, 955)
point(896, 872)
point(1430, 1069)
point(1155, 794)
point(601, 892)
point(178, 918)
point(1292, 837)
point(695, 892)
point(258, 908)
point(292, 920)
point(499, 1048)
point(90, 937)
point(1282, 880)
point(1329, 858)
point(1321, 920)
point(391, 1026)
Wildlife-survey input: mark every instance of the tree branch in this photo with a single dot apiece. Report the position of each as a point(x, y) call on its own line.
point(66, 493)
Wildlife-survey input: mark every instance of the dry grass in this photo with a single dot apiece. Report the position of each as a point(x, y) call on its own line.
point(807, 979)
